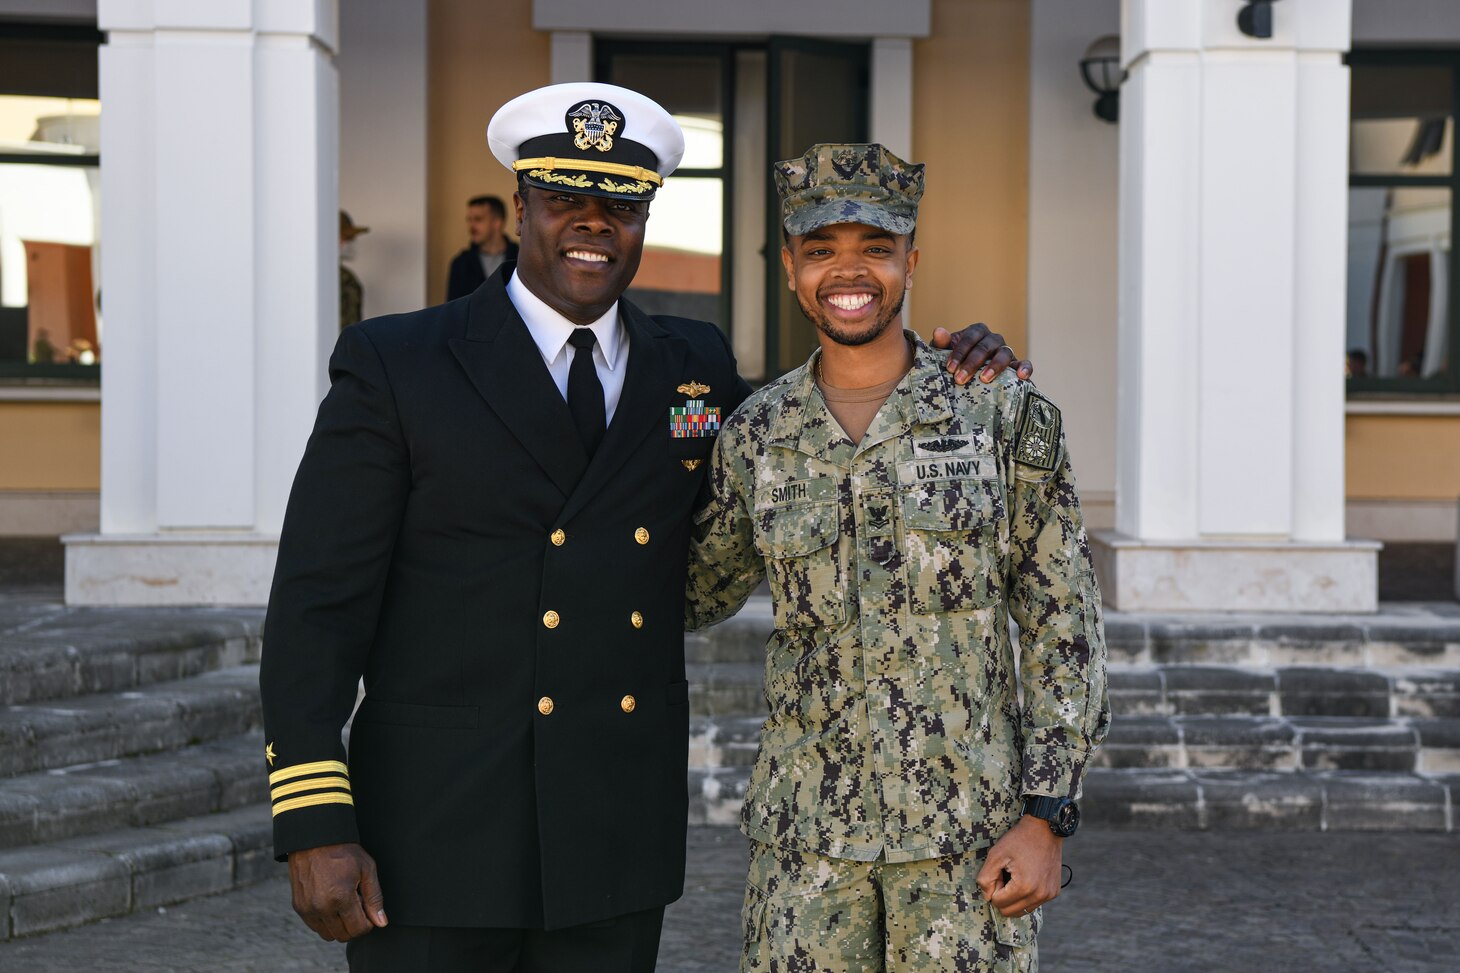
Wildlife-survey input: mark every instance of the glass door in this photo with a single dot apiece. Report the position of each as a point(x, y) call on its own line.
point(817, 92)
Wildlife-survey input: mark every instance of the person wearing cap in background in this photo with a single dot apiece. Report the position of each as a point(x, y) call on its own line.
point(490, 524)
point(352, 292)
point(906, 810)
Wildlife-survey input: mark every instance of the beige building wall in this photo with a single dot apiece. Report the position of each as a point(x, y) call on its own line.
point(51, 478)
point(480, 57)
point(1403, 457)
point(971, 127)
point(53, 445)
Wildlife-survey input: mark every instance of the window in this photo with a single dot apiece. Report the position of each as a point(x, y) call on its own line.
point(713, 245)
point(50, 322)
point(1402, 323)
point(684, 268)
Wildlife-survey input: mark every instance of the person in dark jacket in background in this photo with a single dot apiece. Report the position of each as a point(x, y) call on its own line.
point(486, 218)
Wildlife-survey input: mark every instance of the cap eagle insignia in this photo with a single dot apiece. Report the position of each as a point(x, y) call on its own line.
point(594, 125)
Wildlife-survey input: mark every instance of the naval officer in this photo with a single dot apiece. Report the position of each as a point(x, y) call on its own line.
point(490, 526)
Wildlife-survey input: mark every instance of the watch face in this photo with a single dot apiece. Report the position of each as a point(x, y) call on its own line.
point(1066, 819)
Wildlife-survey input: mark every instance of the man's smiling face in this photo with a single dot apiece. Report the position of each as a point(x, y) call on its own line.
point(850, 279)
point(578, 252)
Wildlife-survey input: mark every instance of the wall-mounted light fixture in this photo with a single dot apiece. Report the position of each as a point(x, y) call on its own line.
point(1255, 19)
point(1100, 67)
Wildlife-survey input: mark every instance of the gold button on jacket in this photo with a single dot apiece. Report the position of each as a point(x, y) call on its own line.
point(642, 535)
point(637, 619)
point(627, 704)
point(558, 537)
point(551, 619)
point(545, 706)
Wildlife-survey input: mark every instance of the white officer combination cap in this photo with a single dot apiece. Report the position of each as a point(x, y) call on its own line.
point(587, 137)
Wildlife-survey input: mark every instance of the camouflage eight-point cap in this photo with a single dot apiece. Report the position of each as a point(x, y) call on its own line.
point(858, 183)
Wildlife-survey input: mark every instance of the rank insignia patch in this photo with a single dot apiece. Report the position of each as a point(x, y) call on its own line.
point(1039, 433)
point(269, 754)
point(695, 421)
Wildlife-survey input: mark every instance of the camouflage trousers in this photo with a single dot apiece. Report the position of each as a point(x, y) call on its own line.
point(805, 913)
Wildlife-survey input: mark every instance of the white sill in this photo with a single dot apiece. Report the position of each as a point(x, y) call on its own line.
point(1416, 406)
point(49, 393)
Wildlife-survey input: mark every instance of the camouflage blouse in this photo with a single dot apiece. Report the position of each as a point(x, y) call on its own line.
point(902, 722)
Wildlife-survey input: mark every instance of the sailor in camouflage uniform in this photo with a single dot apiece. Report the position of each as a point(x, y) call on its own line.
point(916, 776)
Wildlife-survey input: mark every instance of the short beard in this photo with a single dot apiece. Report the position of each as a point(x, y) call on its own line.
point(823, 324)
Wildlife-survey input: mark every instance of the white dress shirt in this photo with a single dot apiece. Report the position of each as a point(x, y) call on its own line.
point(550, 331)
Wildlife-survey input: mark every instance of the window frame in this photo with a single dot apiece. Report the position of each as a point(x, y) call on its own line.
point(23, 373)
point(1448, 382)
point(605, 49)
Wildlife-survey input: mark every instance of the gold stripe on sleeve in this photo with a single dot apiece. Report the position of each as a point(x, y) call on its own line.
point(299, 770)
point(310, 800)
point(314, 783)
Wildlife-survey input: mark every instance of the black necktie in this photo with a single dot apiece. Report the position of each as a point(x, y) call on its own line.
point(585, 391)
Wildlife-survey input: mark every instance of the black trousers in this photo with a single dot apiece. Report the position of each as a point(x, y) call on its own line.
point(623, 944)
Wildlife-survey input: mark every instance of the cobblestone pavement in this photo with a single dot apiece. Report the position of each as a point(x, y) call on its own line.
point(1168, 902)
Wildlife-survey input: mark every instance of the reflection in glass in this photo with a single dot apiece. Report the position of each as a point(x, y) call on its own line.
point(689, 88)
point(680, 271)
point(1403, 121)
point(1398, 282)
point(49, 219)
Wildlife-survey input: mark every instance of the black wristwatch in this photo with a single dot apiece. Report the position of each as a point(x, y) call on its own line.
point(1062, 813)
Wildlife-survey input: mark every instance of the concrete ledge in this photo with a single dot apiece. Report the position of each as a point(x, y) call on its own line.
point(61, 654)
point(48, 513)
point(84, 879)
point(159, 717)
point(1204, 800)
point(169, 569)
point(135, 791)
point(1236, 576)
point(1398, 636)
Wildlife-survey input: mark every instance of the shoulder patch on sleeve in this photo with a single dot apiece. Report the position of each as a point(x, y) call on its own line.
point(1037, 443)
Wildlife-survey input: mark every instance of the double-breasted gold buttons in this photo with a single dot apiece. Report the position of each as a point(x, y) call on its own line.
point(551, 619)
point(628, 704)
point(642, 535)
point(545, 706)
point(637, 620)
point(558, 537)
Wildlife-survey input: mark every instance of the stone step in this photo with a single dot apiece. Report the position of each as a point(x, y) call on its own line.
point(50, 652)
point(1189, 800)
point(77, 880)
point(1194, 690)
point(108, 726)
point(738, 639)
point(136, 791)
point(1399, 635)
point(731, 688)
point(723, 741)
point(1283, 744)
point(1209, 743)
point(726, 688)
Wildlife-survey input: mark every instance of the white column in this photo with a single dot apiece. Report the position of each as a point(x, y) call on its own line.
point(1233, 202)
point(220, 277)
point(891, 107)
point(572, 56)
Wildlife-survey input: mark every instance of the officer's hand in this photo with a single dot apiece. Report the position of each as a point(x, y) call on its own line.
point(1022, 871)
point(977, 347)
point(336, 891)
